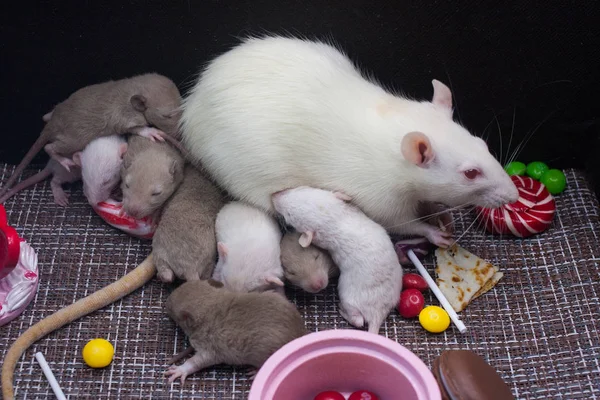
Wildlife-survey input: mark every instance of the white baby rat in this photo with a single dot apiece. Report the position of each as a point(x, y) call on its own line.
point(370, 274)
point(100, 163)
point(309, 267)
point(248, 245)
point(225, 327)
point(275, 113)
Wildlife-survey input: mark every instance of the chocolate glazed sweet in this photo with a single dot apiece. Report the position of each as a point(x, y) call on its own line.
point(464, 375)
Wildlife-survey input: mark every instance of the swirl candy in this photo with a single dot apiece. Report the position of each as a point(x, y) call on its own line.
point(112, 213)
point(531, 214)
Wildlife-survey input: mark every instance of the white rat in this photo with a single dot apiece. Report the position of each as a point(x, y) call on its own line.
point(248, 243)
point(370, 274)
point(276, 113)
point(100, 163)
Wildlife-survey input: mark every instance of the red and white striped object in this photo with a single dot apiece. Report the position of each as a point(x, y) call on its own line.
point(531, 214)
point(111, 212)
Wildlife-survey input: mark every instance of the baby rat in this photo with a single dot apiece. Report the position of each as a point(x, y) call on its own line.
point(147, 105)
point(150, 173)
point(339, 131)
point(184, 244)
point(248, 244)
point(370, 274)
point(231, 328)
point(306, 267)
point(100, 164)
point(59, 175)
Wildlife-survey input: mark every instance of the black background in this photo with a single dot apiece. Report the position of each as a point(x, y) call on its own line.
point(536, 62)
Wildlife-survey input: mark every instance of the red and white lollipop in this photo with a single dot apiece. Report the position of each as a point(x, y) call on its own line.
point(532, 213)
point(111, 212)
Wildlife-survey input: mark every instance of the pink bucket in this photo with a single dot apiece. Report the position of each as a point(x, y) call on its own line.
point(345, 361)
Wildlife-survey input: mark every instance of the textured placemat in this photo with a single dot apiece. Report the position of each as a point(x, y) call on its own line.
point(538, 327)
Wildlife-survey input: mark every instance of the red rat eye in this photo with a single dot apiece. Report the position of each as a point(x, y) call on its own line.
point(472, 173)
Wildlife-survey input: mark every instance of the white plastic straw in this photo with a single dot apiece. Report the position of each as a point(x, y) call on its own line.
point(438, 293)
point(50, 376)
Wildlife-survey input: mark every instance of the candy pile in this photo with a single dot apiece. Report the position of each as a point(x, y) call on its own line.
point(412, 304)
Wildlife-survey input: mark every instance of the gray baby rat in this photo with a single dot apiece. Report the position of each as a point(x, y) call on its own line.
point(228, 327)
point(150, 173)
point(146, 105)
point(306, 267)
point(184, 244)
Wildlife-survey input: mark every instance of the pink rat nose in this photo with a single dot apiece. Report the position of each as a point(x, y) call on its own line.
point(318, 284)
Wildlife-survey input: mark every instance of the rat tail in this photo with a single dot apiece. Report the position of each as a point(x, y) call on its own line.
point(32, 180)
point(111, 293)
point(35, 148)
point(376, 321)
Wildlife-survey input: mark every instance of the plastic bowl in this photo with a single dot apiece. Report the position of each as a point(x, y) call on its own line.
point(345, 361)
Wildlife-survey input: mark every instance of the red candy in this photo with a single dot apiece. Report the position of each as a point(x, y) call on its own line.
point(363, 395)
point(531, 214)
point(330, 395)
point(10, 248)
point(411, 303)
point(414, 281)
point(3, 219)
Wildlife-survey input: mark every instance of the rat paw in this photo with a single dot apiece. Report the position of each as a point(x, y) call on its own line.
point(440, 238)
point(152, 134)
point(61, 198)
point(251, 373)
point(176, 371)
point(67, 163)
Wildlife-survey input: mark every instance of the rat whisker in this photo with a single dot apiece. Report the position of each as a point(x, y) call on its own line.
point(465, 232)
point(512, 131)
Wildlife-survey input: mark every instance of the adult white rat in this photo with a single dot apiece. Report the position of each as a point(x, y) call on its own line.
point(150, 173)
point(248, 245)
point(370, 274)
point(228, 327)
point(184, 244)
point(309, 267)
point(147, 105)
point(276, 113)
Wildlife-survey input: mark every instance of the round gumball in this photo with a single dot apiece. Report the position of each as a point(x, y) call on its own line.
point(414, 281)
point(411, 303)
point(434, 319)
point(554, 180)
point(98, 353)
point(515, 168)
point(329, 395)
point(536, 169)
point(363, 395)
point(3, 219)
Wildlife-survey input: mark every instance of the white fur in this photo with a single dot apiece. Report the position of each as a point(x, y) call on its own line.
point(370, 274)
point(275, 113)
point(252, 241)
point(100, 163)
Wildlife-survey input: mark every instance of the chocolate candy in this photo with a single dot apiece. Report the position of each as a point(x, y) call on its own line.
point(536, 169)
point(329, 395)
point(363, 395)
point(462, 374)
point(532, 213)
point(411, 303)
point(414, 281)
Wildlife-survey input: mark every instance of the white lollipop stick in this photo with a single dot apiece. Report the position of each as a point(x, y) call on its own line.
point(438, 293)
point(50, 376)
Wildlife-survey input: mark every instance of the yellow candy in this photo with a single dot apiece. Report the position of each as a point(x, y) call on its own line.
point(434, 319)
point(98, 353)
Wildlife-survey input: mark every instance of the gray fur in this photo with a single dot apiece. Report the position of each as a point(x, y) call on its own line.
point(184, 244)
point(230, 328)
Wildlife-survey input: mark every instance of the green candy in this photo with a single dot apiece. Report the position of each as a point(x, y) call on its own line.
point(536, 169)
point(554, 180)
point(515, 168)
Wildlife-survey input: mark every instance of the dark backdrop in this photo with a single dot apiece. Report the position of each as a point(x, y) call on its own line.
point(534, 63)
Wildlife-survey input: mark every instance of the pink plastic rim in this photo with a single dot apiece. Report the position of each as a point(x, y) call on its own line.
point(282, 364)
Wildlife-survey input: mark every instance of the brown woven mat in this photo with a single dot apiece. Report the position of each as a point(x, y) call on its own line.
point(538, 327)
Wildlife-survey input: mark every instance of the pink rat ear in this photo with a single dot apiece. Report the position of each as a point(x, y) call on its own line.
point(138, 102)
point(342, 196)
point(77, 158)
point(416, 149)
point(442, 96)
point(122, 150)
point(222, 250)
point(305, 239)
point(274, 280)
